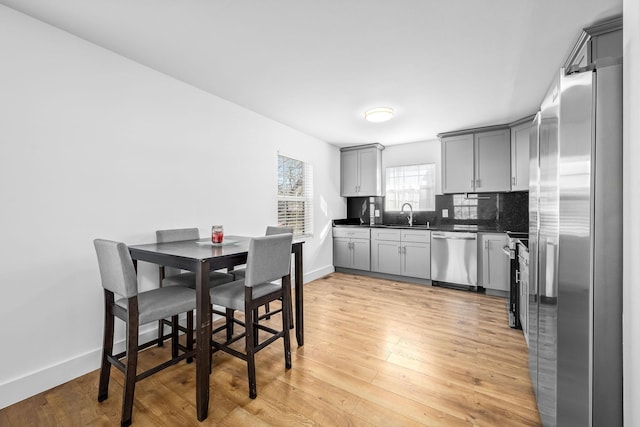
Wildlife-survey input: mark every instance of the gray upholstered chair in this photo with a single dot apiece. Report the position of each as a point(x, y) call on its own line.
point(170, 276)
point(119, 277)
point(268, 259)
point(271, 230)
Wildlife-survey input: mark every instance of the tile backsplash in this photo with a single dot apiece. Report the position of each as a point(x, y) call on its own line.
point(364, 208)
point(505, 211)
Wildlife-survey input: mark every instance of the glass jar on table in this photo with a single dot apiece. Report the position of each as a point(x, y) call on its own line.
point(217, 234)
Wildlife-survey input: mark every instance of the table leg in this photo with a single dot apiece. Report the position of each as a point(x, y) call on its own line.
point(299, 296)
point(203, 338)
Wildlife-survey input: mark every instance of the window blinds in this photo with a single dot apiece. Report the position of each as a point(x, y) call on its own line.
point(295, 195)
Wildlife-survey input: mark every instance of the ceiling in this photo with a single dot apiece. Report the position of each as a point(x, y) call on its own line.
point(316, 66)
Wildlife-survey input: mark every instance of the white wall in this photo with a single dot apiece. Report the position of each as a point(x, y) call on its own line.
point(413, 154)
point(94, 145)
point(631, 184)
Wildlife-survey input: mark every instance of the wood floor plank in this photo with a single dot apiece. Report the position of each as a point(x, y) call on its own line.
point(377, 353)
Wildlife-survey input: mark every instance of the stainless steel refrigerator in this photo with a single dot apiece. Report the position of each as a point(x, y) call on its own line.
point(575, 237)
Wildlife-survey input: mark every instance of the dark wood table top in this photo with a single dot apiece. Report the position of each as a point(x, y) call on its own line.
point(187, 254)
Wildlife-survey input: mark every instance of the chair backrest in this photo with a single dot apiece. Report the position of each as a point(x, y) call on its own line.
point(269, 258)
point(116, 268)
point(271, 230)
point(176, 235)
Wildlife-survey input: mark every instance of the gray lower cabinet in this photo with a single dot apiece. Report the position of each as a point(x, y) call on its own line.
point(351, 248)
point(401, 252)
point(492, 261)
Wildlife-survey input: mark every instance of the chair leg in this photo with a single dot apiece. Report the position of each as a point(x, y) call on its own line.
point(160, 332)
point(189, 334)
point(107, 347)
point(254, 326)
point(174, 336)
point(132, 362)
point(249, 343)
point(229, 324)
point(266, 309)
point(286, 320)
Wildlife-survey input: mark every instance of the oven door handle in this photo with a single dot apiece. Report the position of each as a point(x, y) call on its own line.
point(508, 252)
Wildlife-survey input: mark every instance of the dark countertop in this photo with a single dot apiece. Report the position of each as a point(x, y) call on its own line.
point(436, 227)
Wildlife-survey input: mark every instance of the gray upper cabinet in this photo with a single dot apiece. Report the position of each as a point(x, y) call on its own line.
point(361, 171)
point(493, 161)
point(476, 162)
point(520, 134)
point(457, 164)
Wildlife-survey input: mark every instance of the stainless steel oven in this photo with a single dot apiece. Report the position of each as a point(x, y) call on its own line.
point(513, 302)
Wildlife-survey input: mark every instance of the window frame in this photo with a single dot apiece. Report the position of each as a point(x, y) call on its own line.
point(433, 188)
point(306, 198)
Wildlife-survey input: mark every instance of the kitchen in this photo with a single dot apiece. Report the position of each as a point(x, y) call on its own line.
point(63, 209)
point(569, 301)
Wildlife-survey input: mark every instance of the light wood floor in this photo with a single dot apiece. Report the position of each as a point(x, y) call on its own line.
point(376, 353)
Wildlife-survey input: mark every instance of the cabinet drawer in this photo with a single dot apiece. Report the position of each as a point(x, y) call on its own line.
point(352, 232)
point(417, 236)
point(385, 234)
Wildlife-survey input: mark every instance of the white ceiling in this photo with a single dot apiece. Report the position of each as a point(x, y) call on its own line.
point(318, 65)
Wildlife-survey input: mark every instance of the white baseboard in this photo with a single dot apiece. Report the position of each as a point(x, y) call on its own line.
point(25, 386)
point(318, 273)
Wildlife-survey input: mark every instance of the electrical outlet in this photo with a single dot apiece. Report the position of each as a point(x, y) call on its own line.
point(445, 213)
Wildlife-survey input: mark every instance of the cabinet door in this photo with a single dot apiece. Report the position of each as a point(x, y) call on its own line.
point(361, 254)
point(349, 173)
point(493, 161)
point(370, 164)
point(416, 260)
point(385, 256)
point(520, 157)
point(342, 252)
point(495, 264)
point(457, 164)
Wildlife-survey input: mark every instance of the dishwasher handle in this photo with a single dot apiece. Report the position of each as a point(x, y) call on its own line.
point(451, 237)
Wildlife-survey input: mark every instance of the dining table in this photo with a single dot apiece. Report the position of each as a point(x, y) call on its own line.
point(201, 257)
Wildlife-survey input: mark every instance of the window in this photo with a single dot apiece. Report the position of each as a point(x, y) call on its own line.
point(415, 184)
point(295, 195)
point(464, 207)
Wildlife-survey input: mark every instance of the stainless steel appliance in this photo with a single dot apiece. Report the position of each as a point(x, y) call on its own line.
point(454, 259)
point(522, 280)
point(575, 304)
point(514, 305)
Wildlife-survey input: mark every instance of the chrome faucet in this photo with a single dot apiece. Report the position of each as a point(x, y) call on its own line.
point(410, 217)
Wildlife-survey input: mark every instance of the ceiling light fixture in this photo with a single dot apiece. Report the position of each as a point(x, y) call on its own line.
point(378, 114)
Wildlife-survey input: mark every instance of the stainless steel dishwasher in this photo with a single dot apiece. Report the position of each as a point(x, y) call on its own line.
point(454, 258)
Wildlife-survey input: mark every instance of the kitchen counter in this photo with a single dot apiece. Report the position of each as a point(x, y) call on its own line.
point(440, 227)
